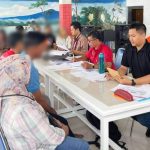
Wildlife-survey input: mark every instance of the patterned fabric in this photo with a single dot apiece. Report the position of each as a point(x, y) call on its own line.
point(80, 43)
point(23, 120)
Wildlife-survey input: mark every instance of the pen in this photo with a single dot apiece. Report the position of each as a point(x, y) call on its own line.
point(145, 99)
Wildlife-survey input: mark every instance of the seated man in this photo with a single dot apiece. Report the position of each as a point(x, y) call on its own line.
point(137, 58)
point(79, 41)
point(91, 57)
point(15, 43)
point(35, 44)
point(23, 120)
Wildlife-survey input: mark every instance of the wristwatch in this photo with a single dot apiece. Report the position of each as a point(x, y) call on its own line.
point(133, 82)
point(93, 66)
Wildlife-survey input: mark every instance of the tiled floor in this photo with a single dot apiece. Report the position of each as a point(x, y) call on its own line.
point(138, 140)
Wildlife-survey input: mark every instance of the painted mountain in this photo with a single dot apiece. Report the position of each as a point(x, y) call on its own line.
point(50, 15)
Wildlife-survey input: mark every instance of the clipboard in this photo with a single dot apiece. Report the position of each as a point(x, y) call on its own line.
point(113, 72)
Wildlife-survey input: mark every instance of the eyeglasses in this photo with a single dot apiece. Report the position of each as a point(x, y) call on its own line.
point(91, 40)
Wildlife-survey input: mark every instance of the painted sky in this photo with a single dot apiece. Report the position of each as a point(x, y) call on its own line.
point(12, 8)
point(82, 1)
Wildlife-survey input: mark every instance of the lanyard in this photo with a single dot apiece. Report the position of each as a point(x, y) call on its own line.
point(75, 42)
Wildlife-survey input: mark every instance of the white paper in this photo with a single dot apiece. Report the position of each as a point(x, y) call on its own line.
point(63, 47)
point(59, 65)
point(91, 75)
point(57, 53)
point(138, 92)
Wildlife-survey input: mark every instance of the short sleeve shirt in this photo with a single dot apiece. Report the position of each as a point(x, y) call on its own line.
point(137, 61)
point(80, 43)
point(34, 83)
point(93, 54)
point(7, 53)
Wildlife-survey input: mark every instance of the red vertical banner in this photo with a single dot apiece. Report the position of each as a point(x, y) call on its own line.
point(65, 14)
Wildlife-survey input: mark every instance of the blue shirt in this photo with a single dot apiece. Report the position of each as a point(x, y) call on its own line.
point(34, 83)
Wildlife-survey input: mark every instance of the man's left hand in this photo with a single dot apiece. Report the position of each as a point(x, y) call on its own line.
point(123, 80)
point(87, 65)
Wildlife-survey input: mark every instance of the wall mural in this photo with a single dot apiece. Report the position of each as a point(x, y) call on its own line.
point(104, 13)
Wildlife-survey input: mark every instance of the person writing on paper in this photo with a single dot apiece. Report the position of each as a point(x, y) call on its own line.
point(79, 41)
point(137, 58)
point(63, 39)
point(91, 57)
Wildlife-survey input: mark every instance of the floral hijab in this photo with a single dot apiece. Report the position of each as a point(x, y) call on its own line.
point(14, 76)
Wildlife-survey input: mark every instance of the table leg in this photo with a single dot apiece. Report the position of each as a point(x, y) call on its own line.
point(104, 135)
point(51, 93)
point(46, 85)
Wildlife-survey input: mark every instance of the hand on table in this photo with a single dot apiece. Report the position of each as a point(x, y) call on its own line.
point(87, 65)
point(123, 80)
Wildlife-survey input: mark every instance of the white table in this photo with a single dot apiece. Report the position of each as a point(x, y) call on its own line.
point(96, 97)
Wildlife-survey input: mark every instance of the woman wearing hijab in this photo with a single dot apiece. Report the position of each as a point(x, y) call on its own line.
point(23, 120)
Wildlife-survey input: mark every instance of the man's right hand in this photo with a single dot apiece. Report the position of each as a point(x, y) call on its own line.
point(66, 129)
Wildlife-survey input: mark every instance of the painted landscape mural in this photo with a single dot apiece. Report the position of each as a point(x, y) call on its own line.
point(104, 13)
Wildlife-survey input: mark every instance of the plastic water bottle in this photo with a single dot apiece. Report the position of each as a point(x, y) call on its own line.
point(101, 63)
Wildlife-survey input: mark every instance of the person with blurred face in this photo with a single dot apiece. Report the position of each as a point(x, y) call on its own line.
point(79, 42)
point(15, 44)
point(63, 39)
point(91, 58)
point(3, 42)
point(51, 37)
point(137, 58)
point(35, 45)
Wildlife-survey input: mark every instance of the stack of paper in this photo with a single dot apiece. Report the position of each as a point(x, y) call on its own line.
point(139, 92)
point(65, 65)
point(91, 75)
point(57, 53)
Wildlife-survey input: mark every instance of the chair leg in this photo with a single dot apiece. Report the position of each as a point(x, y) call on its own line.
point(132, 128)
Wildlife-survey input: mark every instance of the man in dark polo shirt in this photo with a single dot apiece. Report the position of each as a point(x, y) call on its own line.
point(137, 58)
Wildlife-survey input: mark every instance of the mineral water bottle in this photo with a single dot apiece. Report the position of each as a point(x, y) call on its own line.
point(101, 63)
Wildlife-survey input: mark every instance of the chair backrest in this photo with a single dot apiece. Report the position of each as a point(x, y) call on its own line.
point(118, 58)
point(2, 144)
point(3, 141)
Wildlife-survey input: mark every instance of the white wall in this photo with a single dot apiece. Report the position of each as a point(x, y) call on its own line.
point(146, 6)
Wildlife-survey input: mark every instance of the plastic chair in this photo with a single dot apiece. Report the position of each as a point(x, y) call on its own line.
point(119, 56)
point(3, 141)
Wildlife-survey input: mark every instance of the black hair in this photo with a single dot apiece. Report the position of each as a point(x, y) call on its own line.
point(138, 27)
point(14, 38)
point(76, 25)
point(19, 28)
point(33, 38)
point(96, 35)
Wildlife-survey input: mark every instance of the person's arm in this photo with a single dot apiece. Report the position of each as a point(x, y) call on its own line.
point(43, 102)
point(82, 58)
point(76, 52)
point(143, 80)
point(34, 124)
point(122, 70)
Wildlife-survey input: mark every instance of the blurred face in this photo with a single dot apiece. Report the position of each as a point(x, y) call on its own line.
point(38, 50)
point(74, 32)
point(48, 30)
point(93, 42)
point(137, 38)
point(62, 32)
point(19, 47)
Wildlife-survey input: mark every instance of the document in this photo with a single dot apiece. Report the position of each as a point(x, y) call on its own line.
point(91, 75)
point(59, 65)
point(138, 92)
point(113, 72)
point(57, 53)
point(63, 47)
